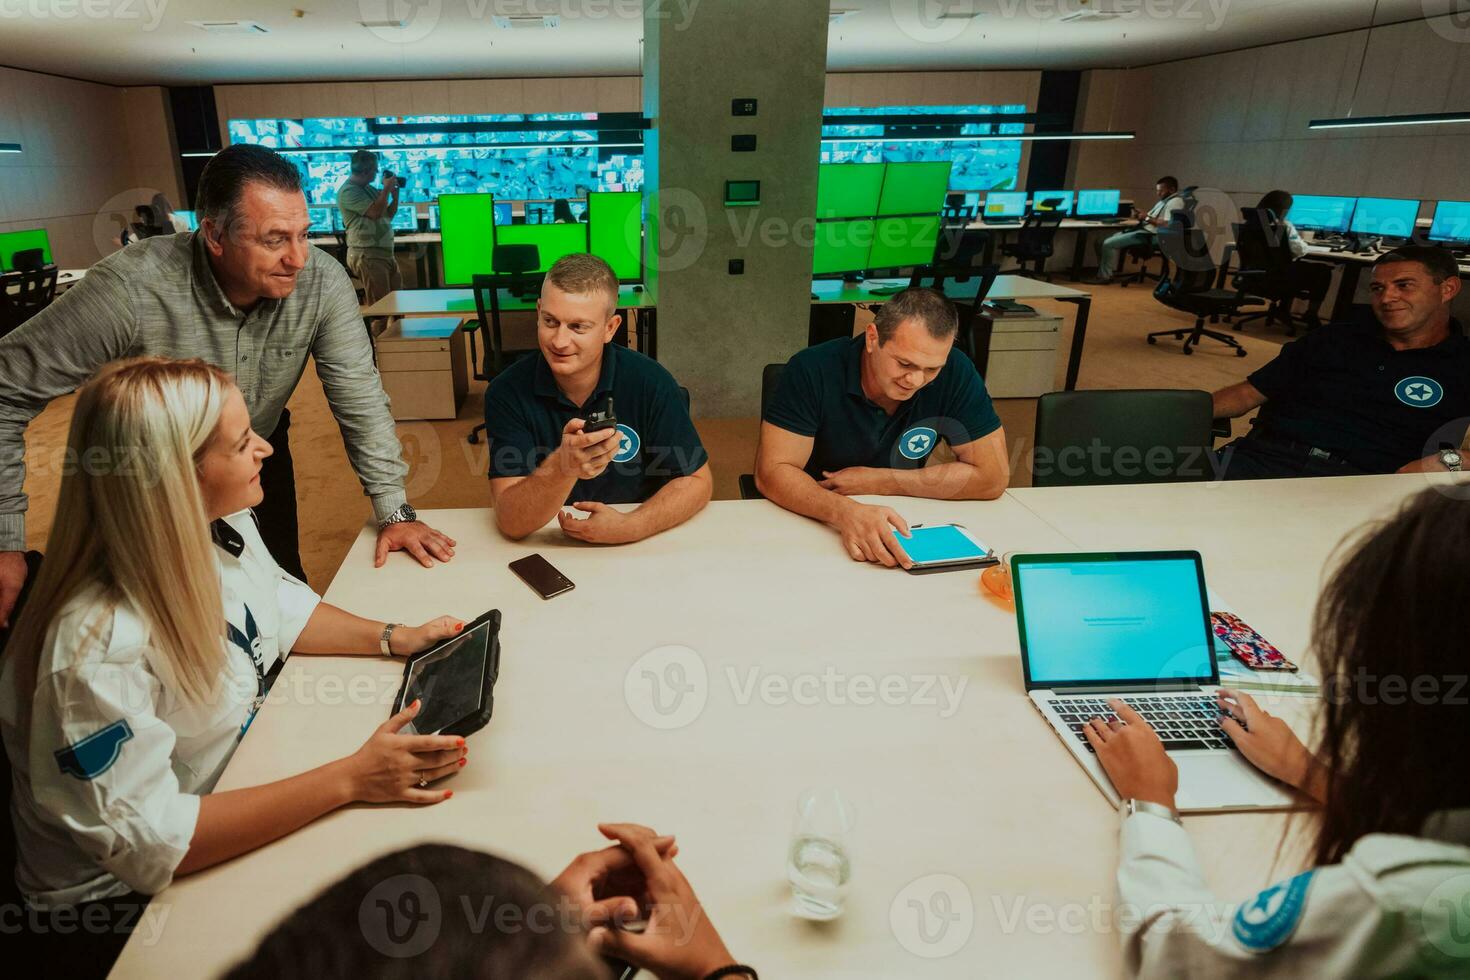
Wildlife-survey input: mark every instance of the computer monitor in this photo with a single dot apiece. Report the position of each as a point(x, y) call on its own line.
point(540, 213)
point(841, 246)
point(1314, 213)
point(190, 219)
point(467, 230)
point(504, 213)
point(903, 242)
point(914, 188)
point(433, 217)
point(552, 241)
point(1005, 204)
point(1451, 223)
point(1098, 204)
point(972, 202)
point(1386, 217)
point(20, 241)
point(615, 231)
point(406, 218)
point(322, 222)
point(1052, 201)
point(849, 190)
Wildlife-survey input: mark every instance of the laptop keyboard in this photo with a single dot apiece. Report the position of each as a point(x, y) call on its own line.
point(1181, 721)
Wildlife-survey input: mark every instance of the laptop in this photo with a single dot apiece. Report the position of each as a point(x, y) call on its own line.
point(1136, 626)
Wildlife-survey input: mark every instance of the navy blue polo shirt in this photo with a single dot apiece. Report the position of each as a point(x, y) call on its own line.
point(821, 395)
point(1344, 389)
point(525, 413)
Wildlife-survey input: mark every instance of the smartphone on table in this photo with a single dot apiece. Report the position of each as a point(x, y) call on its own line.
point(1246, 645)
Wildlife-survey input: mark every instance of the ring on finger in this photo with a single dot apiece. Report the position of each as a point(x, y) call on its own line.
point(423, 780)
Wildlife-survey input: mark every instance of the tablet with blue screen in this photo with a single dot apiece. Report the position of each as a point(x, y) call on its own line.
point(945, 547)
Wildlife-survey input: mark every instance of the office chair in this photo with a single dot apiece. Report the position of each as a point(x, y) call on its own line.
point(515, 267)
point(770, 377)
point(971, 326)
point(1143, 254)
point(24, 294)
point(1120, 438)
point(27, 259)
point(1191, 287)
point(1034, 241)
point(1267, 269)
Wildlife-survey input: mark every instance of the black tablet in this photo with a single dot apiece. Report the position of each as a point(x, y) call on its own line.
point(455, 679)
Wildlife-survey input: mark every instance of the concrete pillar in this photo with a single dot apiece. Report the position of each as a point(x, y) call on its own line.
point(717, 330)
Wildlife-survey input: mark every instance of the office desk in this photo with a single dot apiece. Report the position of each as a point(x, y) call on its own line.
point(426, 245)
point(461, 302)
point(439, 302)
point(1083, 227)
point(984, 804)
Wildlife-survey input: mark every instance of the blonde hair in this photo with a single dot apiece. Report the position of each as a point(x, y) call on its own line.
point(130, 519)
point(582, 274)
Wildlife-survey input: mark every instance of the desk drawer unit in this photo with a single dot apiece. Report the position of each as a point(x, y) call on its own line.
point(423, 366)
point(1023, 356)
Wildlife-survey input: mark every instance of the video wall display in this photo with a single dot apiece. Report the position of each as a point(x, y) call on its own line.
point(978, 165)
point(456, 155)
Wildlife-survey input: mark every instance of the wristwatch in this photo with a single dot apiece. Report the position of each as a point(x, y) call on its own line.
point(402, 515)
point(1451, 459)
point(1157, 809)
point(387, 635)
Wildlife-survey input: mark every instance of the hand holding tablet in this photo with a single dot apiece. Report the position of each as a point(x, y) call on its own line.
point(944, 548)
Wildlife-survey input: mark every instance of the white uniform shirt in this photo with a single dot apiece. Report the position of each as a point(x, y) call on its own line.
point(1396, 906)
point(107, 795)
point(1294, 240)
point(1165, 209)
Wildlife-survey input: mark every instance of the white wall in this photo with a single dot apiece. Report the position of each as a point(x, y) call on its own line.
point(1238, 121)
point(88, 151)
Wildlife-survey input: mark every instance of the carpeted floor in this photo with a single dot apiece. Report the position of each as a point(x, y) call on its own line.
point(448, 472)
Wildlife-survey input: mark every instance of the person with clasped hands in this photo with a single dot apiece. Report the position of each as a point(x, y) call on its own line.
point(1388, 892)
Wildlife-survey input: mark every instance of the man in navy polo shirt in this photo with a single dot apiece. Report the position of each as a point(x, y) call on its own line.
point(1352, 398)
point(862, 416)
point(540, 457)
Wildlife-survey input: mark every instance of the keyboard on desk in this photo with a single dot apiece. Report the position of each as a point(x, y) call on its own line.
point(1182, 721)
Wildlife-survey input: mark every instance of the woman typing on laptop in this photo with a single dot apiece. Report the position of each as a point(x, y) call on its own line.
point(1389, 890)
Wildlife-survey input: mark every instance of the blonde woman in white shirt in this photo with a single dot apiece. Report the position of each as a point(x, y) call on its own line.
point(146, 647)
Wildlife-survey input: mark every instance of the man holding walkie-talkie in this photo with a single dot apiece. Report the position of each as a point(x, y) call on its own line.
point(367, 214)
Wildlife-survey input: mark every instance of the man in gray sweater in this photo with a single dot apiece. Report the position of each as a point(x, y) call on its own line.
point(247, 293)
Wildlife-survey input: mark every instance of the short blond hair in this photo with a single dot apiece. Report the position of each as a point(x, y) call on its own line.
point(582, 274)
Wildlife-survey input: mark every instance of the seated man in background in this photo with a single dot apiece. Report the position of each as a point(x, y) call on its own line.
point(862, 416)
point(535, 411)
point(1168, 203)
point(363, 925)
point(1314, 278)
point(1352, 398)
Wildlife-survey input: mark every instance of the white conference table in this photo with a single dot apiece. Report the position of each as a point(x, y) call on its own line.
point(983, 794)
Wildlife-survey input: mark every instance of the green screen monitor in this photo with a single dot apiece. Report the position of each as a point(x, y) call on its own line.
point(467, 232)
point(849, 190)
point(901, 242)
point(18, 241)
point(914, 188)
point(615, 231)
point(841, 246)
point(551, 241)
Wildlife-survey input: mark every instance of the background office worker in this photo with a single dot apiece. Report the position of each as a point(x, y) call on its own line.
point(247, 294)
point(1391, 395)
point(1313, 277)
point(367, 216)
point(540, 457)
point(863, 416)
point(1388, 890)
point(1168, 203)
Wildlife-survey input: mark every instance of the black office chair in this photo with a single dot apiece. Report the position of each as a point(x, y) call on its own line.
point(1119, 438)
point(968, 308)
point(9, 895)
point(28, 259)
point(1034, 241)
point(1143, 255)
point(770, 377)
point(515, 271)
point(1191, 288)
point(1267, 269)
point(24, 294)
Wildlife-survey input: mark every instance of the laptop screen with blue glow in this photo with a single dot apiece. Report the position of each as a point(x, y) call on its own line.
point(1113, 619)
